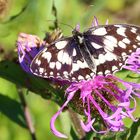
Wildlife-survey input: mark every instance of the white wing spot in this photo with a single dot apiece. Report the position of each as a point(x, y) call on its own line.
point(110, 56)
point(63, 57)
point(73, 78)
point(47, 55)
point(100, 31)
point(134, 46)
point(82, 64)
point(101, 58)
point(130, 51)
point(66, 58)
point(87, 76)
point(80, 77)
point(65, 72)
point(124, 54)
point(122, 45)
point(38, 62)
point(41, 70)
point(92, 74)
point(58, 65)
point(114, 68)
point(74, 52)
point(107, 71)
point(96, 46)
point(133, 30)
point(138, 38)
point(100, 73)
point(111, 38)
point(75, 67)
point(58, 74)
point(120, 64)
point(51, 73)
point(121, 31)
point(109, 46)
point(118, 26)
point(126, 40)
point(97, 62)
point(52, 65)
point(60, 56)
point(61, 44)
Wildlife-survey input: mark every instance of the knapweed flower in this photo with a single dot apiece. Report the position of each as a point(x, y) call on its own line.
point(133, 62)
point(107, 97)
point(28, 47)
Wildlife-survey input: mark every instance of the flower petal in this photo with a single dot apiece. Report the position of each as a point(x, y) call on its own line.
point(53, 119)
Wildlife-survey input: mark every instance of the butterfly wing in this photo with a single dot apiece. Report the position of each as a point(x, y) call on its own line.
point(110, 46)
point(60, 60)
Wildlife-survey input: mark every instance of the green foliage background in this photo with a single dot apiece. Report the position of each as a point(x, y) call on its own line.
point(31, 16)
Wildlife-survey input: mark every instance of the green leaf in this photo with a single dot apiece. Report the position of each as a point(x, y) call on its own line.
point(73, 134)
point(13, 72)
point(12, 109)
point(134, 130)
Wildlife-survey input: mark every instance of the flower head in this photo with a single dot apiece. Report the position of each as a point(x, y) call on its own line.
point(107, 97)
point(28, 47)
point(133, 62)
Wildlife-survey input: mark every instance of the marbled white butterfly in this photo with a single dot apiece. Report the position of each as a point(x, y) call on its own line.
point(101, 50)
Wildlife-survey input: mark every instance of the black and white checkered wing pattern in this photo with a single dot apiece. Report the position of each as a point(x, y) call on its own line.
point(101, 50)
point(59, 60)
point(110, 46)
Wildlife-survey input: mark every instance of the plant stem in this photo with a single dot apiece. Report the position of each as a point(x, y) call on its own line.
point(27, 114)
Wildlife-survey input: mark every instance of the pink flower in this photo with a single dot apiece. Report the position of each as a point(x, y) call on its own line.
point(28, 47)
point(108, 96)
point(133, 62)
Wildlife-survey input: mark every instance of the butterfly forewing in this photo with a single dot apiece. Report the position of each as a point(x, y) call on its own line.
point(61, 60)
point(48, 63)
point(101, 50)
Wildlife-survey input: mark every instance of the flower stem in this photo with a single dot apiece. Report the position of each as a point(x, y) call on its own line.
point(26, 114)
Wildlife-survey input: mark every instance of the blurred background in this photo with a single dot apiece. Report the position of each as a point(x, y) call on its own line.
point(31, 16)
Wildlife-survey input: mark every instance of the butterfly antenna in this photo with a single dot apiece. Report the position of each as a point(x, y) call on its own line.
point(62, 24)
point(87, 9)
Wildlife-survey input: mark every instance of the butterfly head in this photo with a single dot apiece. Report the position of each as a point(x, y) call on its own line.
point(76, 30)
point(77, 34)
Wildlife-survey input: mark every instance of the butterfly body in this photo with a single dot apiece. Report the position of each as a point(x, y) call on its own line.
point(100, 50)
point(80, 41)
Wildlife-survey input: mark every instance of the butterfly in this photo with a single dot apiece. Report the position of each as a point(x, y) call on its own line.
point(100, 50)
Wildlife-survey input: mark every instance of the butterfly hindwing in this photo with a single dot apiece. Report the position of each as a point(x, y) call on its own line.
point(112, 44)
